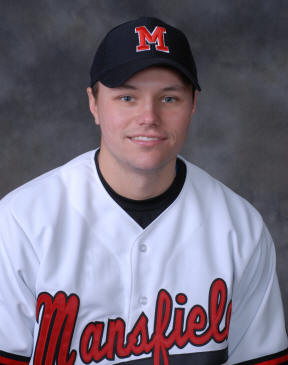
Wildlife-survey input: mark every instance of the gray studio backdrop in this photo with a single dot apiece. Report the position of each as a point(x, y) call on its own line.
point(238, 134)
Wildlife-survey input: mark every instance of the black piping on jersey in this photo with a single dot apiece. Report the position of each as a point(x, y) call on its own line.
point(12, 358)
point(279, 358)
point(146, 211)
point(200, 358)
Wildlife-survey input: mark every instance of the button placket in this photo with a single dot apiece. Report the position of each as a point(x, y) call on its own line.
point(141, 264)
point(143, 247)
point(143, 300)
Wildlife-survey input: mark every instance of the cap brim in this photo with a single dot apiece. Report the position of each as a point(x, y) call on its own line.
point(118, 75)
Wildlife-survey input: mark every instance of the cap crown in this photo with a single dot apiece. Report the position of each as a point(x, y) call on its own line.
point(138, 44)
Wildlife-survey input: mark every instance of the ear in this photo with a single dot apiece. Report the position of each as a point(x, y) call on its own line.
point(195, 101)
point(92, 104)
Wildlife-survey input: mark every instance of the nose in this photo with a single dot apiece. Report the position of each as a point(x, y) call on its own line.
point(148, 114)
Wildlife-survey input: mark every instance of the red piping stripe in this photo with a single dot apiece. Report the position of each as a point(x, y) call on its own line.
point(278, 361)
point(6, 361)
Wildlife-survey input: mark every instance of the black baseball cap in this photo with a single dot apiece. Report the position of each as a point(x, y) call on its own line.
point(135, 45)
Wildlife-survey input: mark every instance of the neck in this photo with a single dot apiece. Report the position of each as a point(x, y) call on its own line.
point(136, 184)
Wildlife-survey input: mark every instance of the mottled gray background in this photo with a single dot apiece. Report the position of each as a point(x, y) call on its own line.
point(239, 133)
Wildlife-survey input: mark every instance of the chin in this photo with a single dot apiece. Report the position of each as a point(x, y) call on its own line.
point(150, 166)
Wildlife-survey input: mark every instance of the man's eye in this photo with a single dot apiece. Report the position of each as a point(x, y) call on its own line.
point(126, 98)
point(169, 99)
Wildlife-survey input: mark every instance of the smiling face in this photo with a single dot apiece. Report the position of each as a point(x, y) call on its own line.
point(144, 122)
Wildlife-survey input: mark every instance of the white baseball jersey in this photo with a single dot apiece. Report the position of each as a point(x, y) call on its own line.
point(82, 283)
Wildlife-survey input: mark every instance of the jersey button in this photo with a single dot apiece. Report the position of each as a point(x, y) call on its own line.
point(143, 247)
point(143, 300)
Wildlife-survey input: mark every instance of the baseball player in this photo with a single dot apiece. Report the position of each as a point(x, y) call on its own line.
point(130, 254)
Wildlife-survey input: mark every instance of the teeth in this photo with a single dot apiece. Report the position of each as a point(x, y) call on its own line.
point(142, 138)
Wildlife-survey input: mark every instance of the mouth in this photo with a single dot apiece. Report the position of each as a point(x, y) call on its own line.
point(145, 138)
point(147, 141)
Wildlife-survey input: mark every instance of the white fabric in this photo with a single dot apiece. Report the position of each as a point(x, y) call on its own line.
point(63, 232)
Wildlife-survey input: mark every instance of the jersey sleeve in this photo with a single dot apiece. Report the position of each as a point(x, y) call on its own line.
point(257, 331)
point(18, 265)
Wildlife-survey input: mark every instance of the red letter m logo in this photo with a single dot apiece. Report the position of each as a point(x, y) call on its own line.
point(57, 324)
point(146, 38)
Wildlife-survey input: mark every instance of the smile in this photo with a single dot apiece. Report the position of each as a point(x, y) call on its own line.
point(144, 138)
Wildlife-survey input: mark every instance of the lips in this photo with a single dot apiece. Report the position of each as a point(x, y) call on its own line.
point(145, 138)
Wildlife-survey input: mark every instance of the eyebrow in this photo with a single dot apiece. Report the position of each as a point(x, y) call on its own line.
point(168, 88)
point(126, 86)
point(174, 88)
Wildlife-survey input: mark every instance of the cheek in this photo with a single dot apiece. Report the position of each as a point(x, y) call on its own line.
point(112, 124)
point(179, 123)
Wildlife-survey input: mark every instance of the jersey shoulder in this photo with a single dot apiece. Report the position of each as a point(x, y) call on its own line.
point(209, 187)
point(50, 184)
point(222, 206)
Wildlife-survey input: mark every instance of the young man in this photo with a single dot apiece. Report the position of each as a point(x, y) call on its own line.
point(130, 254)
